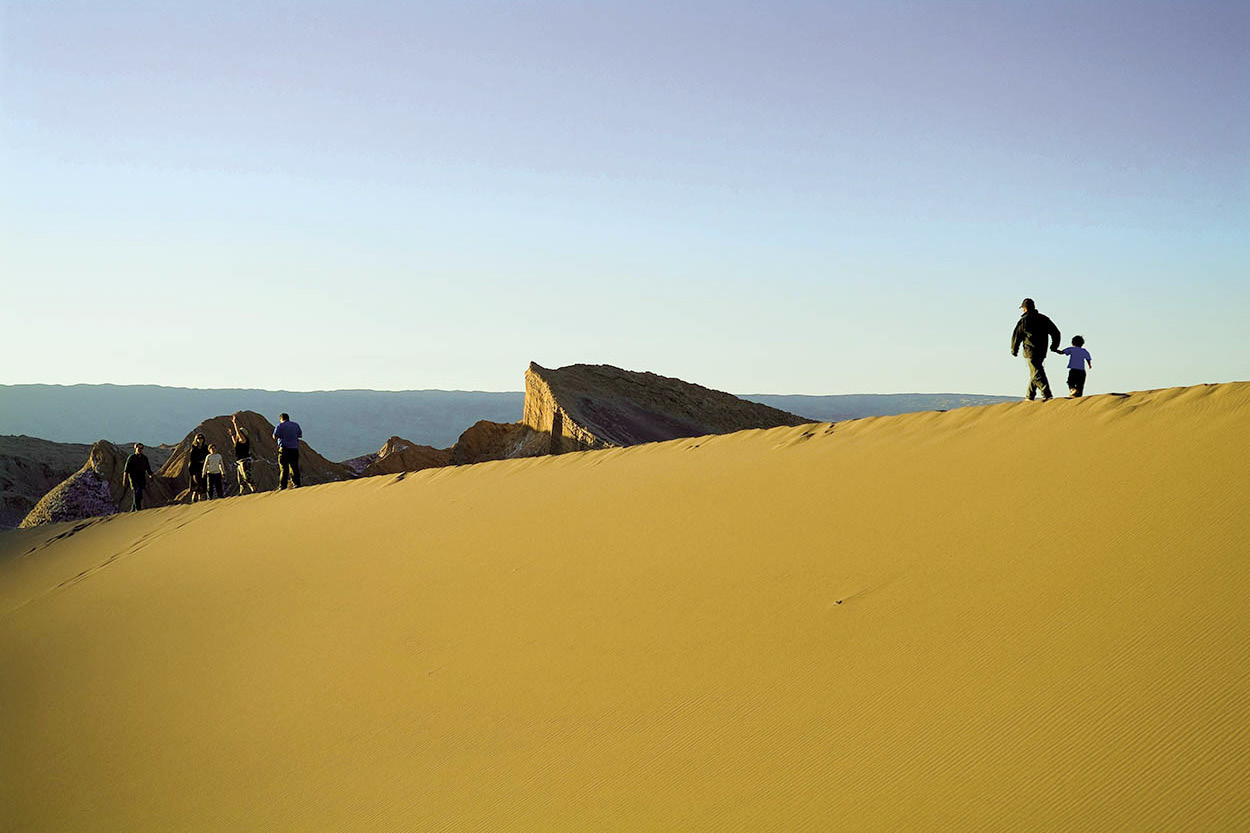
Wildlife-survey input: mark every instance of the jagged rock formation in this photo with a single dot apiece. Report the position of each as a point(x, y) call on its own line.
point(29, 469)
point(85, 493)
point(586, 406)
point(399, 455)
point(488, 440)
point(314, 468)
point(357, 465)
point(598, 406)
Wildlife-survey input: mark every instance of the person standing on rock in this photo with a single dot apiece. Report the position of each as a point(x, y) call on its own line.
point(1033, 332)
point(198, 454)
point(136, 473)
point(288, 434)
point(242, 455)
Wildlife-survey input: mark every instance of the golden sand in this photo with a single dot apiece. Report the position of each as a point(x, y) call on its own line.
point(1017, 617)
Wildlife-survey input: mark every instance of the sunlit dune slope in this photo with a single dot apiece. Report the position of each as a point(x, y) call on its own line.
point(1028, 616)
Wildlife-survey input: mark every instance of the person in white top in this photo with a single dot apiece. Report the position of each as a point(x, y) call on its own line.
point(1078, 357)
point(214, 472)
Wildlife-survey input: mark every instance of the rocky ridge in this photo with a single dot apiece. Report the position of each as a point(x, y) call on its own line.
point(487, 440)
point(29, 469)
point(586, 406)
point(97, 488)
point(399, 455)
point(583, 406)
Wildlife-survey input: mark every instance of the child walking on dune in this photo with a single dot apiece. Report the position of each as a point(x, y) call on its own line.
point(1078, 357)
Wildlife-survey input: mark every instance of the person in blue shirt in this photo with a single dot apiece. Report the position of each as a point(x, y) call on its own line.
point(288, 434)
point(1078, 358)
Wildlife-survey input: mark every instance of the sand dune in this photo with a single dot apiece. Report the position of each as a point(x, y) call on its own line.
point(1029, 616)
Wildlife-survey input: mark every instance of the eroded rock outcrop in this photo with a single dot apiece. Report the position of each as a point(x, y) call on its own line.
point(96, 488)
point(586, 406)
point(29, 469)
point(399, 455)
point(488, 440)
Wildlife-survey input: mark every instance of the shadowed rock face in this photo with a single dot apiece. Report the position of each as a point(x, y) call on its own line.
point(29, 469)
point(488, 440)
point(97, 487)
point(399, 455)
point(597, 406)
point(85, 493)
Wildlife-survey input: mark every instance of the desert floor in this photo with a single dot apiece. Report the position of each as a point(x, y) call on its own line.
point(1029, 616)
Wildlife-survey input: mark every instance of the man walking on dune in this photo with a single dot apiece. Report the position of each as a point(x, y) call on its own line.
point(136, 473)
point(287, 434)
point(1032, 332)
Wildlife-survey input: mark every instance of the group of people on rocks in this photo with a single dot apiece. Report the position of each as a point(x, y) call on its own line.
point(206, 466)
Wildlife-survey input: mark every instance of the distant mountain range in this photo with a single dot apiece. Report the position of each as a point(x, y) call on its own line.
point(859, 405)
point(346, 423)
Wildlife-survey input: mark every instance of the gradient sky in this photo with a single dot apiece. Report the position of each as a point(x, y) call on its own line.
point(783, 197)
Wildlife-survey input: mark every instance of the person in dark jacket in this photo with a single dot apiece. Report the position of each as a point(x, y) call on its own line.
point(198, 454)
point(1035, 333)
point(136, 473)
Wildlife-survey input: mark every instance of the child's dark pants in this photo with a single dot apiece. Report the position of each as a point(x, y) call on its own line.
point(1076, 382)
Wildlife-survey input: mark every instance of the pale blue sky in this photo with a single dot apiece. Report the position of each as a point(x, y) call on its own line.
point(763, 198)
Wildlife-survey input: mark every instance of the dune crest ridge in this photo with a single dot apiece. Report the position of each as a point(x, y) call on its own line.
point(1016, 617)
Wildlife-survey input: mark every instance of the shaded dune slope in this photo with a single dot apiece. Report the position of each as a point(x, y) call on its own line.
point(1015, 617)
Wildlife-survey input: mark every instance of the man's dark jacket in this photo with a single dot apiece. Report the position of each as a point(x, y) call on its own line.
point(138, 470)
point(1032, 331)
